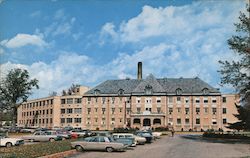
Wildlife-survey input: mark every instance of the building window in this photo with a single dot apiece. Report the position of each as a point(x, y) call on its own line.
point(186, 100)
point(224, 99)
point(178, 121)
point(63, 101)
point(128, 110)
point(78, 110)
point(89, 110)
point(69, 111)
point(178, 99)
point(214, 122)
point(96, 119)
point(224, 121)
point(78, 120)
point(62, 120)
point(197, 110)
point(178, 91)
point(103, 110)
point(187, 121)
point(214, 110)
point(138, 110)
point(103, 100)
point(206, 110)
point(51, 121)
point(179, 110)
point(158, 110)
point(120, 92)
point(170, 99)
point(120, 119)
point(197, 121)
point(205, 91)
point(148, 90)
point(187, 111)
point(205, 100)
point(113, 119)
point(224, 110)
point(113, 110)
point(214, 100)
point(96, 109)
point(197, 100)
point(70, 101)
point(149, 109)
point(158, 100)
point(138, 100)
point(170, 110)
point(96, 91)
point(78, 100)
point(69, 120)
point(113, 100)
point(148, 100)
point(120, 109)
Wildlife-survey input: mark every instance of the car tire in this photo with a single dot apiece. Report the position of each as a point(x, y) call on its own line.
point(8, 145)
point(109, 149)
point(79, 148)
point(51, 139)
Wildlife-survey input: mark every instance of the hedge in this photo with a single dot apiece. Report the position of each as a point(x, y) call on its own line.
point(35, 150)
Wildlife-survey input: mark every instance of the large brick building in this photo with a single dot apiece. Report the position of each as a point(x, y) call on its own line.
point(179, 103)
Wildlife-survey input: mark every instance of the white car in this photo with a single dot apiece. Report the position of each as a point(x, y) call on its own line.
point(156, 134)
point(138, 139)
point(8, 142)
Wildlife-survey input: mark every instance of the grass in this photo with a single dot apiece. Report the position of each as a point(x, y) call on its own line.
point(35, 150)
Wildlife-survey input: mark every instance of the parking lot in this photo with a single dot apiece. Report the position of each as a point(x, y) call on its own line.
point(177, 147)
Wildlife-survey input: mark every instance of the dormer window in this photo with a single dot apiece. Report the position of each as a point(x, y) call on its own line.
point(96, 91)
point(120, 92)
point(205, 91)
point(178, 91)
point(148, 90)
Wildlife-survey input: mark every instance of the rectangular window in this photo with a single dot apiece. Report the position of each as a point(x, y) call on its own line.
point(206, 110)
point(158, 100)
point(69, 111)
point(103, 110)
point(186, 100)
point(138, 100)
point(197, 100)
point(224, 99)
point(63, 101)
point(62, 111)
point(70, 101)
point(179, 121)
point(78, 100)
point(89, 99)
point(78, 120)
point(214, 110)
point(148, 100)
point(205, 100)
point(187, 111)
point(197, 110)
point(113, 100)
point(69, 120)
point(103, 100)
point(170, 110)
point(78, 110)
point(170, 99)
point(96, 109)
point(128, 110)
point(120, 109)
point(62, 120)
point(89, 110)
point(224, 121)
point(224, 110)
point(186, 121)
point(179, 110)
point(96, 119)
point(178, 99)
point(213, 100)
point(158, 110)
point(51, 121)
point(113, 110)
point(197, 121)
point(138, 110)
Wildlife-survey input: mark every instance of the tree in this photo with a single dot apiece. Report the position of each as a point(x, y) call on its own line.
point(15, 89)
point(237, 72)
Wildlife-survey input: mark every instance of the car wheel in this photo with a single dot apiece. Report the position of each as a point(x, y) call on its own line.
point(51, 139)
point(79, 148)
point(8, 145)
point(109, 149)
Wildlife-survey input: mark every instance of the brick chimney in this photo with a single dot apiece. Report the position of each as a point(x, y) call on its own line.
point(139, 71)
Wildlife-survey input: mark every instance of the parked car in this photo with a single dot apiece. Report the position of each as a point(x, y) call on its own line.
point(126, 141)
point(59, 133)
point(42, 136)
point(27, 130)
point(138, 139)
point(8, 142)
point(102, 143)
point(101, 133)
point(81, 133)
point(146, 135)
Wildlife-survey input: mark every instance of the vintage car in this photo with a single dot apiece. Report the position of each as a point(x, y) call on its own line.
point(80, 132)
point(101, 143)
point(137, 139)
point(42, 136)
point(59, 133)
point(8, 142)
point(146, 135)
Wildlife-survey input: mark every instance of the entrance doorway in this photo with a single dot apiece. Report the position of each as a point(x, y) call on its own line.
point(146, 122)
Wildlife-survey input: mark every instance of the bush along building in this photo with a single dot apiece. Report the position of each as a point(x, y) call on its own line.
point(184, 104)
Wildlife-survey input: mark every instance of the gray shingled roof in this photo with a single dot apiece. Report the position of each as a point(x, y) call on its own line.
point(164, 85)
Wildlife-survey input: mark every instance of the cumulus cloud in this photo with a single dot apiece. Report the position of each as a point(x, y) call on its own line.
point(21, 40)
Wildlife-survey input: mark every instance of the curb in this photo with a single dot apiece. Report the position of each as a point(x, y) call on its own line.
point(61, 154)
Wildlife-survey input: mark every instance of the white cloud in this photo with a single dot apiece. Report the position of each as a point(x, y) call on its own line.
point(21, 40)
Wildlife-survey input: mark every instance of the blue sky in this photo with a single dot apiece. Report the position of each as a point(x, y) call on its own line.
point(87, 42)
